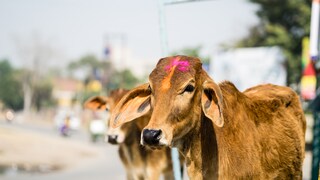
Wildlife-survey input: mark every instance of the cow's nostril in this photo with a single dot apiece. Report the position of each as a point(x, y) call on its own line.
point(151, 136)
point(112, 139)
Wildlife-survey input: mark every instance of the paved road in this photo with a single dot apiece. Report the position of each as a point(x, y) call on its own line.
point(80, 135)
point(105, 167)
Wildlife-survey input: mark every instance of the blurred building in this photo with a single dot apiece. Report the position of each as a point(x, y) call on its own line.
point(122, 58)
point(247, 67)
point(117, 52)
point(65, 90)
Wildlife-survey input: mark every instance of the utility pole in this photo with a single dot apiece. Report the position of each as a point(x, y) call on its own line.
point(315, 104)
point(115, 43)
point(165, 52)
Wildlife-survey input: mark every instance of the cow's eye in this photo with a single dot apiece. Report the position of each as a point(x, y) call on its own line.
point(189, 89)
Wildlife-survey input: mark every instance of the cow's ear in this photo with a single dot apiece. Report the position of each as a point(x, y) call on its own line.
point(97, 103)
point(133, 105)
point(212, 102)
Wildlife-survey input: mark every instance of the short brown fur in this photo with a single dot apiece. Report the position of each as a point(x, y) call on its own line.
point(222, 132)
point(140, 162)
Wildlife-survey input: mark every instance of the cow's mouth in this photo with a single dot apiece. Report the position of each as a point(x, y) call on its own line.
point(155, 147)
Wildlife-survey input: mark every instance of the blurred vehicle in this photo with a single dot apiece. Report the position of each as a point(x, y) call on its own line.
point(65, 129)
point(9, 114)
point(66, 122)
point(97, 126)
point(97, 129)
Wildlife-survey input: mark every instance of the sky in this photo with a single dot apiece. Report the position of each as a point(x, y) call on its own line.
point(69, 29)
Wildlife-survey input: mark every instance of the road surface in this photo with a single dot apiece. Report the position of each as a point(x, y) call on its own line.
point(106, 166)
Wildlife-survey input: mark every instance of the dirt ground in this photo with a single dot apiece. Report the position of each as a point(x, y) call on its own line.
point(31, 151)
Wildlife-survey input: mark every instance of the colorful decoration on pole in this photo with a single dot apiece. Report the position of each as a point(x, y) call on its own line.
point(308, 80)
point(314, 55)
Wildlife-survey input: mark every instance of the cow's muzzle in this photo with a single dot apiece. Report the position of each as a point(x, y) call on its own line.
point(112, 139)
point(151, 137)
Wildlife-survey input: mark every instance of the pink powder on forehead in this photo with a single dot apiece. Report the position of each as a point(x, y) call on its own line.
point(180, 65)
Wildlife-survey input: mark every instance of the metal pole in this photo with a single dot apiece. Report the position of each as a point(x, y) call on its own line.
point(163, 29)
point(165, 52)
point(314, 30)
point(314, 55)
point(316, 146)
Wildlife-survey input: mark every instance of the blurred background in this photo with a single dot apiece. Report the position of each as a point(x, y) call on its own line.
point(54, 55)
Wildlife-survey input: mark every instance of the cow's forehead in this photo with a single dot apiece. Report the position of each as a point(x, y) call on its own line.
point(174, 71)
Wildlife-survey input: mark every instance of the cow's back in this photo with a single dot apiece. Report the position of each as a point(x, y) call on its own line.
point(274, 99)
point(277, 113)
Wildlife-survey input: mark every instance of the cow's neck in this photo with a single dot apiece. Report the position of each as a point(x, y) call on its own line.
point(131, 149)
point(202, 161)
point(212, 152)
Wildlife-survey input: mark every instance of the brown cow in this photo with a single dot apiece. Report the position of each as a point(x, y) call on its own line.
point(140, 162)
point(222, 132)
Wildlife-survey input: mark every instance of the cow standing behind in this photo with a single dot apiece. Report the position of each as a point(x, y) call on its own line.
point(140, 162)
point(222, 132)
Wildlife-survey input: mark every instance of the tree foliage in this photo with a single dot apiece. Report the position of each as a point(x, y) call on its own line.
point(284, 24)
point(10, 88)
point(104, 72)
point(43, 95)
point(86, 61)
point(124, 79)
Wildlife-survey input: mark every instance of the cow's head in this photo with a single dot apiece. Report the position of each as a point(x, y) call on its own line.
point(179, 90)
point(103, 103)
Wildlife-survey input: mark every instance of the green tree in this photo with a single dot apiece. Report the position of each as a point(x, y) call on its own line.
point(108, 76)
point(92, 66)
point(10, 87)
point(124, 79)
point(284, 24)
point(89, 61)
point(42, 96)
